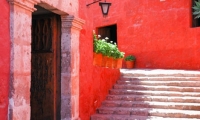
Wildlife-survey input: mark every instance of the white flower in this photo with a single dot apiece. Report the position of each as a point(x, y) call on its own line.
point(106, 38)
point(99, 36)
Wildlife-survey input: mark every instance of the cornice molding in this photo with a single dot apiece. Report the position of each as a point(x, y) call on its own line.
point(69, 21)
point(26, 4)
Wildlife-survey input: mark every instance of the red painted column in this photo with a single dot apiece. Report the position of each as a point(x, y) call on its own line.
point(4, 58)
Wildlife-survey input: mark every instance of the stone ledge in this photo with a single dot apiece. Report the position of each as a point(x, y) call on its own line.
point(27, 4)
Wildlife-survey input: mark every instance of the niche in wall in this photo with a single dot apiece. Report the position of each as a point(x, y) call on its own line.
point(108, 31)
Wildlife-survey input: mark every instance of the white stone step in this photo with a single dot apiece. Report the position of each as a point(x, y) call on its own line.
point(133, 117)
point(153, 93)
point(157, 88)
point(150, 112)
point(158, 72)
point(154, 98)
point(152, 104)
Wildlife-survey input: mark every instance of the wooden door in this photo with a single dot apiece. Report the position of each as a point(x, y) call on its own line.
point(45, 67)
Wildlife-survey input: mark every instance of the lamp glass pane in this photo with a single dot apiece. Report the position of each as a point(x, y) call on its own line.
point(105, 8)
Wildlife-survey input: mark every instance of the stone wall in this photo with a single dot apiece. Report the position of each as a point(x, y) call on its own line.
point(20, 62)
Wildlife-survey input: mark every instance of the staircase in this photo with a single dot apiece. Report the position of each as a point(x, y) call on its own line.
point(153, 95)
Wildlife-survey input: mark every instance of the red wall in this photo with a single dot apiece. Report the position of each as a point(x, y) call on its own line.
point(4, 58)
point(95, 82)
point(158, 33)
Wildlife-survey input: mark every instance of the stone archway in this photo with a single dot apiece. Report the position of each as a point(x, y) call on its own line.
point(20, 70)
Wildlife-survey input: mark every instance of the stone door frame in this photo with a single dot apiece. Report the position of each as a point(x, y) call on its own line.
point(20, 60)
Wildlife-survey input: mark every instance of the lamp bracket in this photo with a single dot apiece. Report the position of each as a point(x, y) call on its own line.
point(93, 2)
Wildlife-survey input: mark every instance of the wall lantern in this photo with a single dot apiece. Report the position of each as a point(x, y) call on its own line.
point(104, 6)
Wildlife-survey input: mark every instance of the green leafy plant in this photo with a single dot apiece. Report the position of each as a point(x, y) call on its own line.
point(130, 58)
point(99, 46)
point(110, 50)
point(117, 54)
point(106, 48)
point(196, 8)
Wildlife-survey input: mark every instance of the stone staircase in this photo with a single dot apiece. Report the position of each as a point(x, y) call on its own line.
point(153, 95)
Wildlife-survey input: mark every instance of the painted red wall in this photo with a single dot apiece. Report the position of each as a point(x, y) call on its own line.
point(4, 58)
point(95, 82)
point(158, 33)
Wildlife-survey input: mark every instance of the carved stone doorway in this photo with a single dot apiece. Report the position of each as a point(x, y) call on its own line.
point(21, 14)
point(45, 67)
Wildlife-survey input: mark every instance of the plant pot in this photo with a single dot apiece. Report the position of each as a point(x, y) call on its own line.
point(104, 60)
point(109, 62)
point(97, 59)
point(117, 63)
point(130, 64)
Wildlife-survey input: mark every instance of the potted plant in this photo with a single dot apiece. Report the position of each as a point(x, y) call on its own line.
point(100, 48)
point(130, 61)
point(196, 8)
point(104, 52)
point(111, 50)
point(97, 50)
point(118, 58)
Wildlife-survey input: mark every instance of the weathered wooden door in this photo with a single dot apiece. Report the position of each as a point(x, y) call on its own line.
point(45, 67)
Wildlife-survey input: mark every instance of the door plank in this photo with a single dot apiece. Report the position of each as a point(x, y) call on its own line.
point(45, 74)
